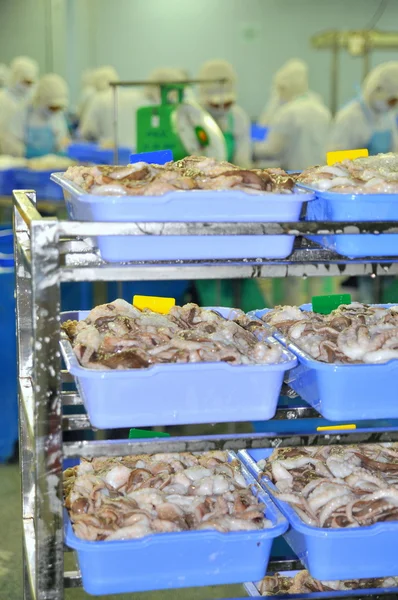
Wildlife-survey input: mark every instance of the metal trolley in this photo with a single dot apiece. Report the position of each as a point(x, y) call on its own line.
point(49, 251)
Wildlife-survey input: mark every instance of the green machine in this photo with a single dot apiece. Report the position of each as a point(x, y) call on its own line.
point(183, 127)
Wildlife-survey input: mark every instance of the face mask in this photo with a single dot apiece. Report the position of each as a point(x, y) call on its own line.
point(381, 106)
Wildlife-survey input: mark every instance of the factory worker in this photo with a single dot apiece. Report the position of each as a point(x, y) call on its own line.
point(103, 77)
point(290, 69)
point(22, 77)
point(88, 91)
point(219, 99)
point(370, 121)
point(39, 128)
point(4, 75)
point(98, 121)
point(299, 128)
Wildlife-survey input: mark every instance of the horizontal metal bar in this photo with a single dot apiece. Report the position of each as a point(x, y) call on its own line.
point(72, 579)
point(222, 442)
point(71, 399)
point(166, 83)
point(26, 207)
point(82, 421)
point(276, 566)
point(225, 270)
point(82, 229)
point(76, 422)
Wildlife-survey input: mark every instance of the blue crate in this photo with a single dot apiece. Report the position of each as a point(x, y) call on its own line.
point(176, 560)
point(342, 392)
point(346, 553)
point(189, 206)
point(176, 394)
point(6, 182)
point(93, 153)
point(331, 206)
point(40, 181)
point(8, 353)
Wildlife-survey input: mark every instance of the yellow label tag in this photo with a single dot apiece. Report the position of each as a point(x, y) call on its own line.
point(339, 155)
point(155, 303)
point(332, 427)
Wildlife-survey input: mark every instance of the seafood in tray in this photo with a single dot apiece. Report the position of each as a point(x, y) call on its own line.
point(139, 368)
point(133, 496)
point(352, 334)
point(282, 584)
point(195, 189)
point(371, 175)
point(191, 173)
point(347, 360)
point(168, 520)
point(119, 336)
point(340, 501)
point(337, 486)
point(363, 189)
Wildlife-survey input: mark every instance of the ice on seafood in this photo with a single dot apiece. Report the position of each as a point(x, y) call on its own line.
point(372, 175)
point(303, 583)
point(337, 486)
point(133, 496)
point(353, 333)
point(191, 173)
point(120, 336)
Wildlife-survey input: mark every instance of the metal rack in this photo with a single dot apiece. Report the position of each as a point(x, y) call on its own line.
point(49, 251)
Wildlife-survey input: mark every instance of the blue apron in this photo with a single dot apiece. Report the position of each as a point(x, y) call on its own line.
point(39, 139)
point(380, 141)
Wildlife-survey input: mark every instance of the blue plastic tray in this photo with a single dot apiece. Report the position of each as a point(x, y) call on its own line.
point(176, 394)
point(6, 182)
point(342, 392)
point(347, 553)
point(252, 590)
point(330, 206)
point(175, 560)
point(93, 153)
point(40, 181)
point(190, 206)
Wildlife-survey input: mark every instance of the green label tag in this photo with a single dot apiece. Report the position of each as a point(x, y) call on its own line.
point(326, 304)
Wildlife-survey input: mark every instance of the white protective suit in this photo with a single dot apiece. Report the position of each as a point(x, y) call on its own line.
point(22, 76)
point(220, 101)
point(97, 122)
point(299, 128)
point(275, 102)
point(369, 122)
point(34, 129)
point(87, 93)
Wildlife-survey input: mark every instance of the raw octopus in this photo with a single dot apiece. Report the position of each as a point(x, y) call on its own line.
point(353, 333)
point(303, 583)
point(337, 486)
point(120, 336)
point(372, 175)
point(133, 496)
point(191, 173)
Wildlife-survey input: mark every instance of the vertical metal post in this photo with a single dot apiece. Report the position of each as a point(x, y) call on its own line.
point(334, 74)
point(115, 126)
point(24, 370)
point(48, 409)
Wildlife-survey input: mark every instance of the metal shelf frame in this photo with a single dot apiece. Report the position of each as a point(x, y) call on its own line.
point(49, 251)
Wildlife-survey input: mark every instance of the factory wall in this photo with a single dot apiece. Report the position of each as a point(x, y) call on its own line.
point(257, 36)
